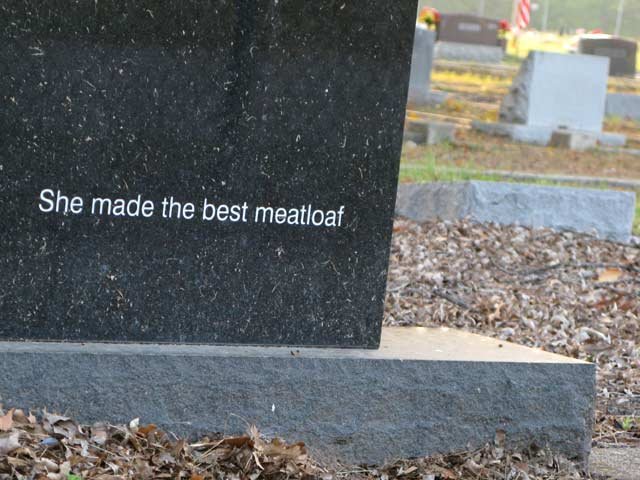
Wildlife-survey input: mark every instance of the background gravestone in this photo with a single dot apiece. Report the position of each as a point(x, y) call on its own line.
point(294, 105)
point(555, 90)
point(624, 105)
point(465, 28)
point(471, 38)
point(421, 64)
point(621, 52)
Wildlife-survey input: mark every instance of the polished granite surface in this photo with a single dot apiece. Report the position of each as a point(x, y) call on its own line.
point(199, 171)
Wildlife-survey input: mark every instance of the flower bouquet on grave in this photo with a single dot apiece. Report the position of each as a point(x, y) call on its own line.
point(503, 30)
point(430, 16)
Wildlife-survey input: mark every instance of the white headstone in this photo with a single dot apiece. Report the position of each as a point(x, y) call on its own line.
point(558, 90)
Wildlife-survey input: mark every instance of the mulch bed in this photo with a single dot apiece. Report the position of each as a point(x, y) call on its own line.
point(57, 448)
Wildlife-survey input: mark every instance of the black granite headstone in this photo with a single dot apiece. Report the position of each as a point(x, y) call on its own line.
point(199, 171)
point(466, 28)
point(620, 51)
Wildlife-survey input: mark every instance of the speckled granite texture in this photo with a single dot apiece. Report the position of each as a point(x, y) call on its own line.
point(425, 391)
point(283, 103)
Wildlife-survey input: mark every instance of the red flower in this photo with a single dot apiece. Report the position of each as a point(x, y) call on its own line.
point(429, 15)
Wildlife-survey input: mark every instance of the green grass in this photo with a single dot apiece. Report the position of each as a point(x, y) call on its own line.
point(428, 170)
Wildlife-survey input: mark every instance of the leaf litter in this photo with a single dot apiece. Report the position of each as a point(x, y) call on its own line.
point(55, 447)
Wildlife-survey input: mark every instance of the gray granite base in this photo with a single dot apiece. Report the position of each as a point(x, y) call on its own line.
point(607, 213)
point(540, 134)
point(424, 391)
point(469, 52)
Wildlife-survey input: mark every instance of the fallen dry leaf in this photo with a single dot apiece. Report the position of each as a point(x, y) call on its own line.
point(6, 421)
point(610, 275)
point(147, 429)
point(106, 452)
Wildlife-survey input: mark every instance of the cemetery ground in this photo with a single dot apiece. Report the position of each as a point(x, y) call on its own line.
point(475, 93)
point(563, 292)
point(567, 293)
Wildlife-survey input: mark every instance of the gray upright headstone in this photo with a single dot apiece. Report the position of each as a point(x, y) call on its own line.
point(558, 91)
point(421, 64)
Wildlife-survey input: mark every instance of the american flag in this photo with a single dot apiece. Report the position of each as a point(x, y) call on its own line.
point(523, 15)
